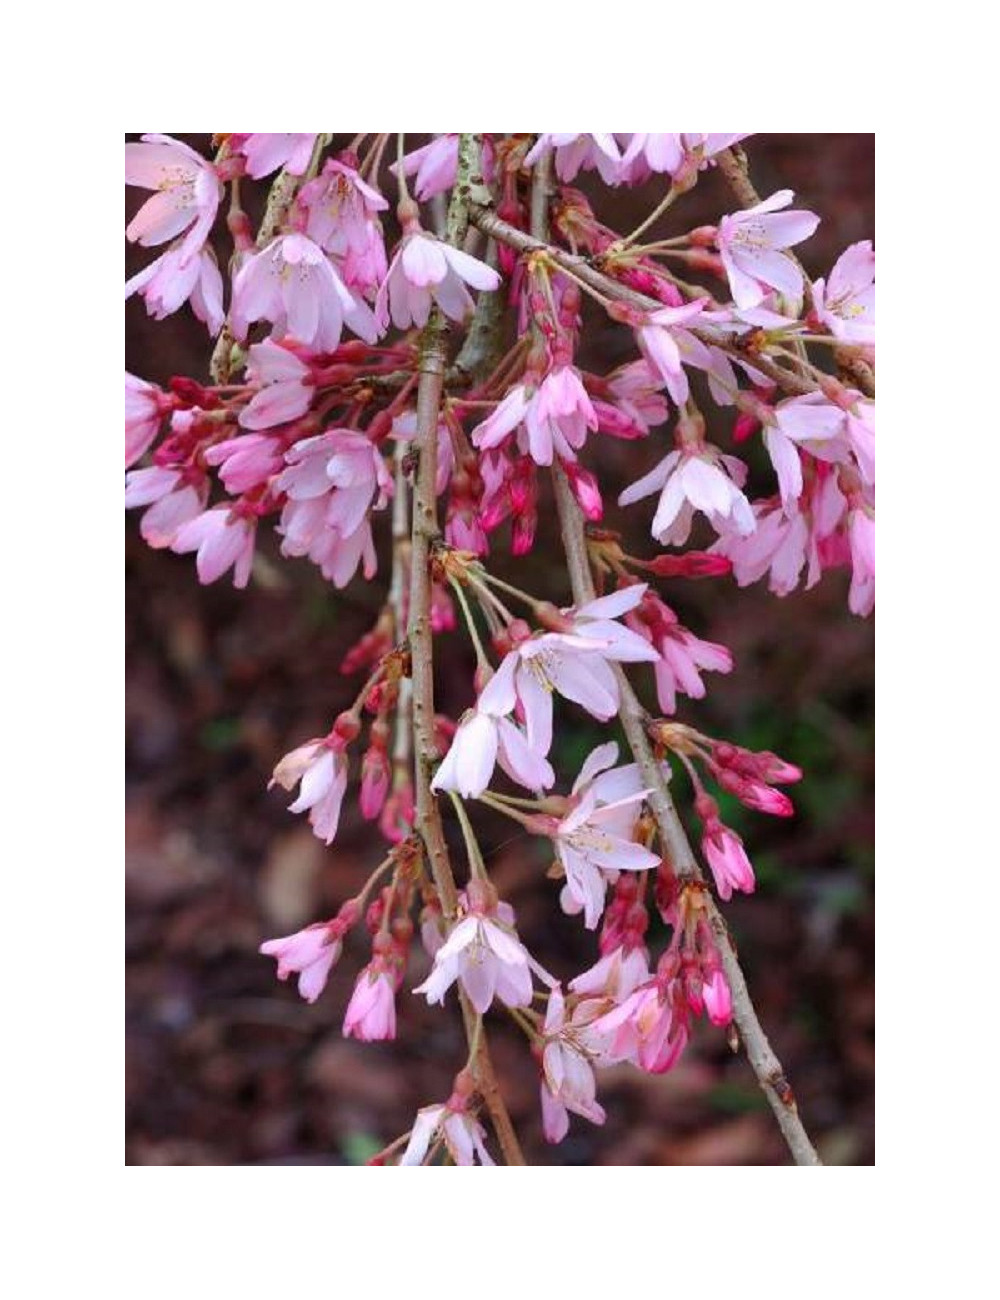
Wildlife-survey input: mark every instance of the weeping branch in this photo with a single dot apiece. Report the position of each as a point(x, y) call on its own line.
point(423, 534)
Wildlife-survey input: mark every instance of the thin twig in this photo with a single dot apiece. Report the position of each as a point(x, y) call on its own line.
point(505, 233)
point(760, 1054)
point(763, 1061)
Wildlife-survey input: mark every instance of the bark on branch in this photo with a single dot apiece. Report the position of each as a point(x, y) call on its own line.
point(424, 532)
point(673, 837)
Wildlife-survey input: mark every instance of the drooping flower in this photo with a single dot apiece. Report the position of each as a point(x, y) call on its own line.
point(293, 284)
point(371, 1013)
point(461, 1133)
point(266, 153)
point(342, 217)
point(646, 1028)
point(568, 1082)
point(485, 736)
point(247, 461)
point(286, 386)
point(667, 344)
point(319, 768)
point(554, 417)
point(310, 953)
point(174, 497)
point(333, 481)
point(145, 407)
point(635, 389)
point(694, 479)
point(424, 271)
point(846, 302)
point(573, 151)
point(593, 841)
point(224, 539)
point(752, 243)
point(725, 854)
point(575, 661)
point(681, 653)
point(484, 954)
point(173, 279)
point(186, 198)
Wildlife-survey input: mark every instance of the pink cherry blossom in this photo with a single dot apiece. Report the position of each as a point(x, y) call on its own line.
point(435, 165)
point(846, 303)
point(246, 462)
point(690, 480)
point(485, 955)
point(266, 153)
point(186, 198)
point(616, 975)
point(293, 284)
point(174, 279)
point(861, 534)
point(568, 1082)
point(644, 1028)
point(461, 1133)
point(593, 841)
point(674, 154)
point(554, 418)
point(174, 497)
point(286, 386)
point(574, 151)
point(145, 407)
point(224, 539)
point(319, 769)
point(681, 653)
point(310, 953)
point(371, 1013)
point(666, 344)
point(424, 271)
point(782, 545)
point(333, 481)
point(717, 998)
point(725, 854)
point(635, 390)
point(485, 736)
point(752, 245)
point(828, 431)
point(341, 216)
point(575, 662)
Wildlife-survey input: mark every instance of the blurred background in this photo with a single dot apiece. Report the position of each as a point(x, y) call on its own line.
point(226, 1066)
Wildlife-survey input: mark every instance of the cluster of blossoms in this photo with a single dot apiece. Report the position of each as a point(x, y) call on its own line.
point(311, 421)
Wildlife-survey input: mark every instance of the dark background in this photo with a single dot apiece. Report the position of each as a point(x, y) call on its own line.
point(226, 1066)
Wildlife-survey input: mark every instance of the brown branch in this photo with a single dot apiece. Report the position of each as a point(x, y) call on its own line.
point(424, 532)
point(677, 848)
point(674, 841)
point(501, 230)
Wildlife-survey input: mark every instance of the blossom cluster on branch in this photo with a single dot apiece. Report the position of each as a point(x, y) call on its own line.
point(322, 404)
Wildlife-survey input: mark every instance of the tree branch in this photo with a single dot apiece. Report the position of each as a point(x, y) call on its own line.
point(491, 224)
point(673, 838)
point(424, 532)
